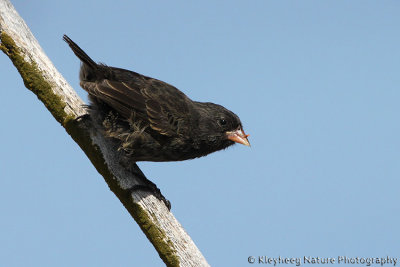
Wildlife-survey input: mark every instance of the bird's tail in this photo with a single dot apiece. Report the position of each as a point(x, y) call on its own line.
point(80, 53)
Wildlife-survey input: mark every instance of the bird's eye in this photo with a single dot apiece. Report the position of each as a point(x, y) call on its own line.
point(222, 121)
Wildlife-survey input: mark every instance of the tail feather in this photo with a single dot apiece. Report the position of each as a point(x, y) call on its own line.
point(80, 53)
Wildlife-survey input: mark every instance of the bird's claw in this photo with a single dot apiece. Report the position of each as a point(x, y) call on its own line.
point(83, 117)
point(152, 188)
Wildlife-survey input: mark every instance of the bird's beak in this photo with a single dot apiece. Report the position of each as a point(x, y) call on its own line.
point(238, 136)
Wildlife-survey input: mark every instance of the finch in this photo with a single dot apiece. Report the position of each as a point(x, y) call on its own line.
point(152, 120)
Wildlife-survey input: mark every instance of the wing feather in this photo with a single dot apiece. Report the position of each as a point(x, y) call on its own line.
point(158, 104)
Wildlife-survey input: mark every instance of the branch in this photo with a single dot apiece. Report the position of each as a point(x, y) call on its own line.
point(171, 241)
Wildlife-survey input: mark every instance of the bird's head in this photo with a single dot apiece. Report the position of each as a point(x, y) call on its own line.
point(222, 125)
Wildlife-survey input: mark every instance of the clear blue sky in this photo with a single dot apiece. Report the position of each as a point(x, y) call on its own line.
point(315, 83)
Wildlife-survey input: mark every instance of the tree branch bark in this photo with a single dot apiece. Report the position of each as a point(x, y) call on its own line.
point(168, 237)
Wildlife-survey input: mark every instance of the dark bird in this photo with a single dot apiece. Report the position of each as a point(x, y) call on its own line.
point(152, 120)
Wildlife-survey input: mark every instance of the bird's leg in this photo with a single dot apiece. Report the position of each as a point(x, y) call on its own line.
point(151, 187)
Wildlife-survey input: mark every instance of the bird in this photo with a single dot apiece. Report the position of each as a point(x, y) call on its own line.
point(151, 120)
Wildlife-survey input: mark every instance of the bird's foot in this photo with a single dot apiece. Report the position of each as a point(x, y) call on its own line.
point(83, 117)
point(151, 187)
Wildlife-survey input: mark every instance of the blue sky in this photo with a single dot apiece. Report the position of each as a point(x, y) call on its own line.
point(315, 83)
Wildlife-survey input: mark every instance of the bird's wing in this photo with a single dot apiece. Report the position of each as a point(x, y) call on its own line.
point(162, 106)
point(117, 95)
point(168, 109)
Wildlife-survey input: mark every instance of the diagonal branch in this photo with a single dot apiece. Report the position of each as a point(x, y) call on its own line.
point(171, 241)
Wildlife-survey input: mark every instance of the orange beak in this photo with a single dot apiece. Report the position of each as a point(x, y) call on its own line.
point(238, 136)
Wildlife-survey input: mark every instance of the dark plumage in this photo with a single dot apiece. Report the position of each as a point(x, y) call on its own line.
point(152, 120)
